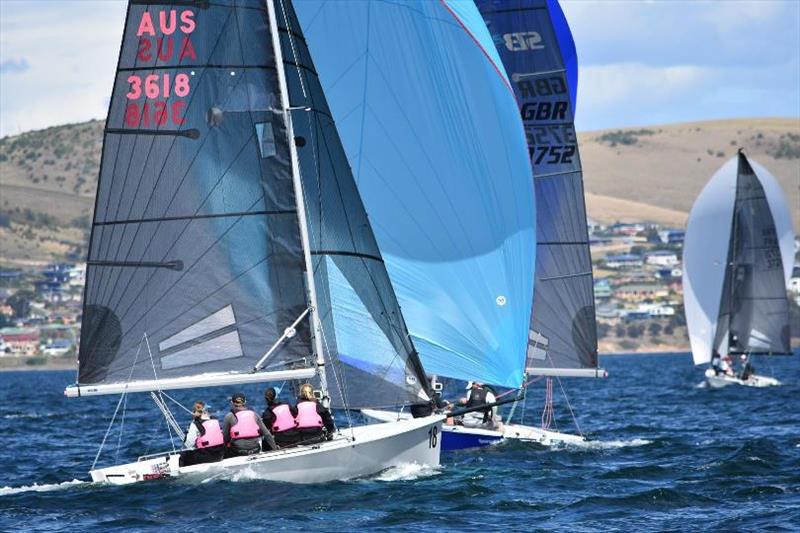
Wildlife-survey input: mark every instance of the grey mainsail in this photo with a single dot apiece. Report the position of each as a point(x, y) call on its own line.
point(370, 353)
point(195, 262)
point(754, 313)
point(537, 51)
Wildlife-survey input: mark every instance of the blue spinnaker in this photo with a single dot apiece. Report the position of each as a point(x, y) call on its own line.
point(435, 140)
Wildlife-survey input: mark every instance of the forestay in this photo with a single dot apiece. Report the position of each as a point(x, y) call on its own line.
point(195, 261)
point(538, 54)
point(738, 257)
point(435, 142)
point(373, 361)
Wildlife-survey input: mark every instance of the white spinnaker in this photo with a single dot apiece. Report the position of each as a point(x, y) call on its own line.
point(705, 249)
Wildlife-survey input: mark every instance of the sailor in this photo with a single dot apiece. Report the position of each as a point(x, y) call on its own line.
point(478, 394)
point(279, 419)
point(204, 442)
point(243, 430)
point(716, 362)
point(727, 366)
point(314, 421)
point(747, 368)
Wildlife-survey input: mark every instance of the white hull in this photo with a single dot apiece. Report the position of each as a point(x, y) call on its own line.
point(719, 381)
point(510, 431)
point(372, 449)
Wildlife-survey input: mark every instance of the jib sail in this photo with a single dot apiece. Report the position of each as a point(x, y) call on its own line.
point(735, 271)
point(537, 51)
point(435, 142)
point(372, 359)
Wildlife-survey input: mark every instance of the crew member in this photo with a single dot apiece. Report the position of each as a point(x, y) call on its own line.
point(314, 421)
point(243, 430)
point(478, 395)
point(279, 419)
point(204, 442)
point(716, 363)
point(747, 368)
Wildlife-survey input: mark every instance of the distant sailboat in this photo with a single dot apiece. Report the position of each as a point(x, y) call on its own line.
point(230, 245)
point(738, 257)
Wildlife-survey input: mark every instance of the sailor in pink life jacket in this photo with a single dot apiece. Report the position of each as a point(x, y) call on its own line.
point(204, 440)
point(314, 422)
point(242, 429)
point(279, 419)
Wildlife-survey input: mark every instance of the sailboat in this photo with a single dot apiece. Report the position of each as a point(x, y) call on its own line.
point(485, 334)
point(738, 257)
point(230, 245)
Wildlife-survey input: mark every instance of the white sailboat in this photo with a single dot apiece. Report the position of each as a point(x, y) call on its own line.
point(230, 245)
point(738, 257)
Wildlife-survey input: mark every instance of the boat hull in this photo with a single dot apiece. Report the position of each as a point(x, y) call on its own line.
point(362, 451)
point(717, 382)
point(462, 437)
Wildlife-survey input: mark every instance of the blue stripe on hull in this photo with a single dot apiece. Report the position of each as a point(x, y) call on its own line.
point(462, 439)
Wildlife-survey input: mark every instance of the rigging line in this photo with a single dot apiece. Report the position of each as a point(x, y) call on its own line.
point(160, 174)
point(114, 416)
point(110, 424)
point(364, 95)
point(294, 51)
point(121, 427)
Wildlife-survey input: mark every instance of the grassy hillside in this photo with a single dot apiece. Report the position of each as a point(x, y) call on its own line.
point(656, 172)
point(48, 177)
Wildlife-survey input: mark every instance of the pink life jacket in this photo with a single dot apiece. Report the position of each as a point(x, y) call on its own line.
point(246, 426)
point(212, 435)
point(283, 418)
point(307, 416)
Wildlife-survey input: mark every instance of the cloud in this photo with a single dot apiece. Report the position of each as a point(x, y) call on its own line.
point(70, 51)
point(655, 62)
point(14, 66)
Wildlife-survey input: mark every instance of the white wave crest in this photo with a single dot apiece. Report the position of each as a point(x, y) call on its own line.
point(407, 472)
point(610, 444)
point(47, 487)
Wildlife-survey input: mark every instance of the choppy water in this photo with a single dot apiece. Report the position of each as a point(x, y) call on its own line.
point(665, 456)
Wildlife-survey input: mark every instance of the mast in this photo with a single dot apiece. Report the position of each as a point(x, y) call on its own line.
point(299, 198)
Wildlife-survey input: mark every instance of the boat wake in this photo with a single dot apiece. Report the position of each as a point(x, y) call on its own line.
point(608, 444)
point(407, 472)
point(47, 487)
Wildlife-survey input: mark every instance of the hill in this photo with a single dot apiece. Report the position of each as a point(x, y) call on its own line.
point(653, 173)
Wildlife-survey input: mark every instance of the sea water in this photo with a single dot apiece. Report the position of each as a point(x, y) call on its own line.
point(663, 455)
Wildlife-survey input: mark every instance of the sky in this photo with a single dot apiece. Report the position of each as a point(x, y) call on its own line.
point(641, 62)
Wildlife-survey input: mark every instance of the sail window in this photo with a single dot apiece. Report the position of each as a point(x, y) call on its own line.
point(266, 139)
